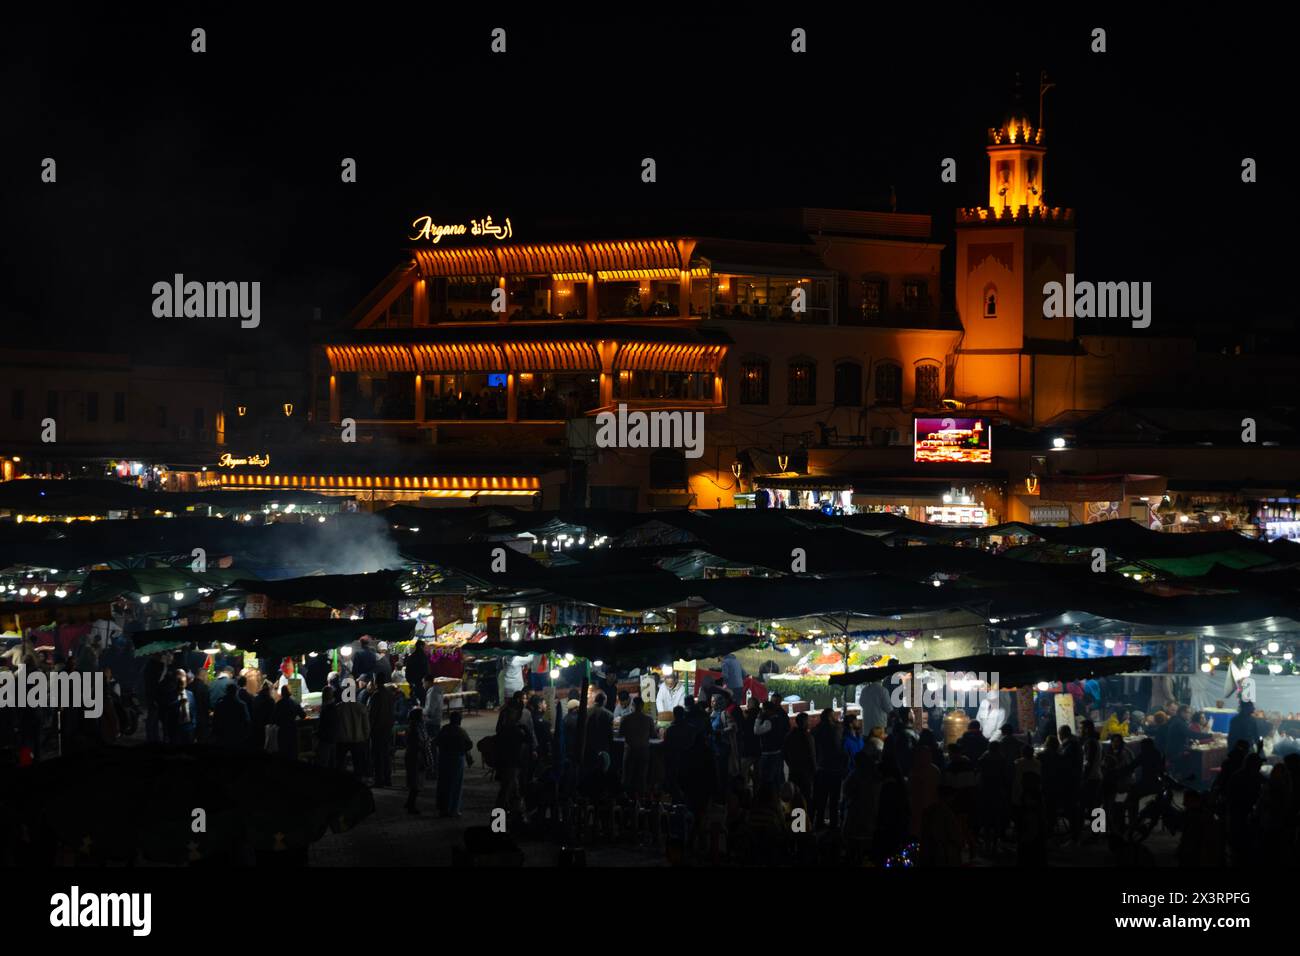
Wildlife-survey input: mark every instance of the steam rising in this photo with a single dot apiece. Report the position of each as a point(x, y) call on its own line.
point(345, 544)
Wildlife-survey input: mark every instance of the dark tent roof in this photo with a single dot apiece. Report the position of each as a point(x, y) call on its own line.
point(1012, 670)
point(336, 590)
point(279, 638)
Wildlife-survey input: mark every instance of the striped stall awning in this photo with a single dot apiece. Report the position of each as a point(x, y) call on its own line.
point(669, 357)
point(370, 358)
point(467, 263)
point(559, 257)
point(462, 357)
point(552, 356)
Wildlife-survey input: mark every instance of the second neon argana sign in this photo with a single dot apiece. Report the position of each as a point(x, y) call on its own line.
point(963, 440)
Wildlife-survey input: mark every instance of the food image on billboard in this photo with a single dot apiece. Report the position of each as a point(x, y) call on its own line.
point(964, 440)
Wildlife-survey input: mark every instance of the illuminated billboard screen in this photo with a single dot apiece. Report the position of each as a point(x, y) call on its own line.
point(964, 440)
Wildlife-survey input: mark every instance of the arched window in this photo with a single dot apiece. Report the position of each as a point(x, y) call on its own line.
point(927, 386)
point(802, 381)
point(889, 384)
point(990, 301)
point(848, 384)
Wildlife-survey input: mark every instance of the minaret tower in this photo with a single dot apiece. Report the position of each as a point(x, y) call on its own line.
point(1006, 252)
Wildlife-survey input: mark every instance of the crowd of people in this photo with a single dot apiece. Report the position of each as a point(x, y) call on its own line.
point(740, 780)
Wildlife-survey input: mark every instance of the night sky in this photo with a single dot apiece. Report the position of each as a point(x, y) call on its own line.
point(225, 165)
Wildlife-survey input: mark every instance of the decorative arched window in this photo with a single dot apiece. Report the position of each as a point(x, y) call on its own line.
point(848, 384)
point(927, 386)
point(990, 301)
point(889, 384)
point(802, 381)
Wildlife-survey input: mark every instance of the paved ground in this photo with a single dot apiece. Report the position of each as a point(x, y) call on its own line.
point(392, 837)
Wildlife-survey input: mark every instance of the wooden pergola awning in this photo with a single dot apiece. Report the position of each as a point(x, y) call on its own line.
point(505, 347)
point(476, 483)
point(554, 257)
point(551, 356)
point(628, 259)
point(669, 357)
point(370, 358)
point(459, 263)
point(457, 357)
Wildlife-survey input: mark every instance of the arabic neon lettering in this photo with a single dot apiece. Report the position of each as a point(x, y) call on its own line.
point(426, 228)
point(228, 460)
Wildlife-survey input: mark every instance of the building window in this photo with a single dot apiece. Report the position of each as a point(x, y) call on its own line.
point(915, 297)
point(198, 421)
point(52, 404)
point(92, 406)
point(927, 386)
point(990, 302)
point(874, 297)
point(803, 382)
point(848, 384)
point(668, 468)
point(16, 404)
point(119, 407)
point(162, 416)
point(753, 383)
point(889, 384)
point(664, 386)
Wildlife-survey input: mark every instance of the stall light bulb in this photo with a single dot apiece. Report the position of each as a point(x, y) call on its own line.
point(1209, 648)
point(555, 673)
point(1287, 656)
point(597, 663)
point(908, 643)
point(514, 636)
point(1042, 685)
point(345, 651)
point(726, 629)
point(1207, 667)
point(1272, 647)
point(1236, 650)
point(144, 599)
point(1110, 643)
point(60, 593)
point(1214, 662)
point(1031, 640)
point(178, 596)
point(1072, 645)
point(23, 592)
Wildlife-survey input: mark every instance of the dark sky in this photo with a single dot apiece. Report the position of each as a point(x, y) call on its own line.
point(225, 165)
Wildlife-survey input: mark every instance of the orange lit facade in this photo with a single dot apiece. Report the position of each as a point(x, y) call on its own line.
point(810, 346)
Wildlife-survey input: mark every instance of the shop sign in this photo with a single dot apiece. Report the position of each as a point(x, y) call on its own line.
point(1049, 514)
point(956, 514)
point(426, 228)
point(228, 460)
point(949, 440)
